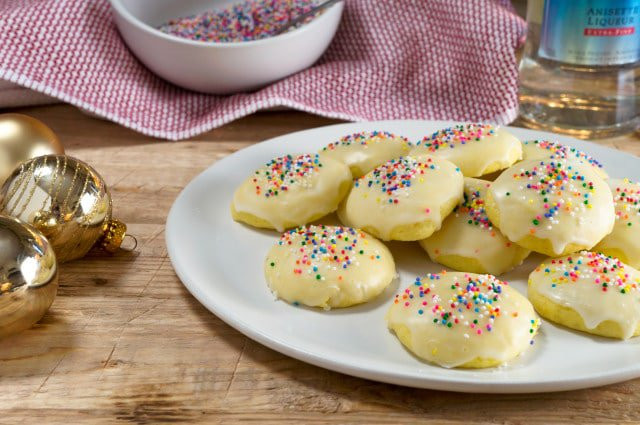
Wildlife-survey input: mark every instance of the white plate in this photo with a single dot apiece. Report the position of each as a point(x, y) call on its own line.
point(220, 263)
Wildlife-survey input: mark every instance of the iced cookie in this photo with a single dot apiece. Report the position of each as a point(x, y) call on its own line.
point(552, 206)
point(468, 241)
point(589, 292)
point(624, 241)
point(328, 266)
point(405, 199)
point(544, 149)
point(477, 149)
point(364, 151)
point(290, 191)
point(463, 320)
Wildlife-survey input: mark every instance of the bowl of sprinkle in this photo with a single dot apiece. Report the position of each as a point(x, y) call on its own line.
point(225, 46)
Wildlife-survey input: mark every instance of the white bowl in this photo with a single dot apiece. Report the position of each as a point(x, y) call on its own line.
point(218, 68)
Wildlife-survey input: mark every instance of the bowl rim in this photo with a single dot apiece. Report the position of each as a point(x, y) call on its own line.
point(119, 8)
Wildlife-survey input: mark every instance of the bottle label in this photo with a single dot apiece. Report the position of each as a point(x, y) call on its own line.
point(591, 32)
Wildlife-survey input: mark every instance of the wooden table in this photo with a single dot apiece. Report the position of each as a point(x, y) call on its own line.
point(125, 342)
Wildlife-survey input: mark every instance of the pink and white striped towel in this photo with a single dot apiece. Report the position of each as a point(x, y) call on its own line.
point(391, 59)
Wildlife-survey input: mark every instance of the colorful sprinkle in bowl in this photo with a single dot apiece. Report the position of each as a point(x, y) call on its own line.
point(218, 68)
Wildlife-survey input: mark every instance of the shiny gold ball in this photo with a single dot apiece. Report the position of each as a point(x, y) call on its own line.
point(21, 138)
point(64, 198)
point(28, 276)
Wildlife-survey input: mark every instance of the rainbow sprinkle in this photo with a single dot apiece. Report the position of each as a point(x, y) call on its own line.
point(560, 151)
point(395, 176)
point(474, 206)
point(606, 272)
point(279, 174)
point(320, 248)
point(627, 202)
point(456, 136)
point(245, 21)
point(365, 138)
point(559, 180)
point(474, 302)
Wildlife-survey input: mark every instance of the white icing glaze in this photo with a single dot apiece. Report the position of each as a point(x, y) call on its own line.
point(560, 213)
point(626, 232)
point(292, 190)
point(544, 149)
point(504, 326)
point(473, 147)
point(468, 232)
point(328, 266)
point(403, 191)
point(577, 281)
point(363, 152)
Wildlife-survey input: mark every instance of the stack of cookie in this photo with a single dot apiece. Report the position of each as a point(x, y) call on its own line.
point(477, 200)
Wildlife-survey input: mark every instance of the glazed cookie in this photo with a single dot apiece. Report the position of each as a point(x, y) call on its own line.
point(405, 199)
point(328, 266)
point(478, 149)
point(290, 191)
point(363, 152)
point(624, 241)
point(552, 206)
point(589, 292)
point(468, 241)
point(463, 320)
point(544, 149)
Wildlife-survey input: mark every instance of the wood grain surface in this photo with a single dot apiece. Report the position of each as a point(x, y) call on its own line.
point(124, 342)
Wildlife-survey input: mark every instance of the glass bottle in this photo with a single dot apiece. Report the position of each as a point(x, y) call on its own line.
point(580, 67)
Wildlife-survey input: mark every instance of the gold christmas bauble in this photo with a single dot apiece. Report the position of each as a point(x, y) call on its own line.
point(67, 200)
point(21, 138)
point(28, 275)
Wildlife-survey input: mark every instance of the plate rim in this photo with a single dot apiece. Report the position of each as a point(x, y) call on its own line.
point(456, 384)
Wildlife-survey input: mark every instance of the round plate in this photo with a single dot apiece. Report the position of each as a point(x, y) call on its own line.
point(220, 263)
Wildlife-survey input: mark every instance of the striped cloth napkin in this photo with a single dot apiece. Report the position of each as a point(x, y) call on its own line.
point(401, 59)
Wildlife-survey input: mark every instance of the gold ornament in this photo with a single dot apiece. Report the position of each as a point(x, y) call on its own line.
point(23, 138)
point(28, 276)
point(67, 201)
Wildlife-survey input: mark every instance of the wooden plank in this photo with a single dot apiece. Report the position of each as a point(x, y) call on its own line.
point(124, 342)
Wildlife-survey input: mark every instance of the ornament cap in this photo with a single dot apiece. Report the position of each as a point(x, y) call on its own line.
point(114, 233)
